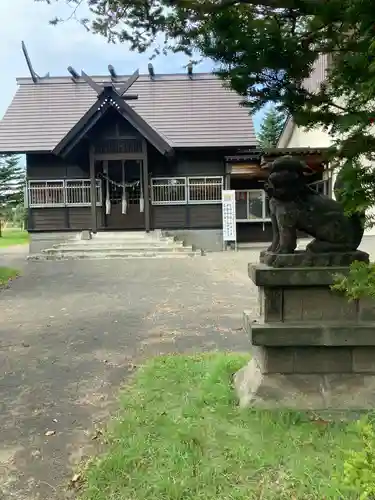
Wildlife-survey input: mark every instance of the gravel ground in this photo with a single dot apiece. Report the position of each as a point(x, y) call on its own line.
point(72, 332)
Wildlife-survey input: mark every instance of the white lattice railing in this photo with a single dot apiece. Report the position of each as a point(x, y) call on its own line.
point(168, 191)
point(251, 206)
point(205, 189)
point(61, 193)
point(183, 190)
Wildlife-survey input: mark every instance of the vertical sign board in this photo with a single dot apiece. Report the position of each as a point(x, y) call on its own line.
point(229, 215)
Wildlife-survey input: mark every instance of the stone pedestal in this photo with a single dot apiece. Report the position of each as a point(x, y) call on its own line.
point(311, 348)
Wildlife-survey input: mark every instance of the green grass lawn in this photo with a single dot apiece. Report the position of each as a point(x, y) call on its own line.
point(181, 436)
point(13, 237)
point(7, 274)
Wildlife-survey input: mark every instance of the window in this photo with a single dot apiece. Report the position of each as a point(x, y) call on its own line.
point(168, 191)
point(255, 202)
point(60, 193)
point(252, 206)
point(205, 189)
point(46, 194)
point(323, 187)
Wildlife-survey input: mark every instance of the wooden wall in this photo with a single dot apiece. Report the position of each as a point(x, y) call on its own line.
point(186, 216)
point(254, 231)
point(205, 216)
point(62, 219)
point(168, 217)
point(49, 166)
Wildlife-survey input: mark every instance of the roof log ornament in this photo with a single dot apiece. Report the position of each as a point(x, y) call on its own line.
point(112, 72)
point(190, 70)
point(74, 73)
point(151, 71)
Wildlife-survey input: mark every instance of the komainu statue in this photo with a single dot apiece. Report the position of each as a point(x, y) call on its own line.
point(294, 206)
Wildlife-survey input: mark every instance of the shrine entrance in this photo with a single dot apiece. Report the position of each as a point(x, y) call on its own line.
point(123, 193)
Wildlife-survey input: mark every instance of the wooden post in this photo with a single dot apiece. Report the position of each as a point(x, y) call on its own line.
point(146, 190)
point(93, 191)
point(227, 172)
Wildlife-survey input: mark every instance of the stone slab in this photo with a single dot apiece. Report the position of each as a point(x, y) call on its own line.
point(266, 276)
point(317, 303)
point(301, 334)
point(305, 258)
point(308, 360)
point(304, 391)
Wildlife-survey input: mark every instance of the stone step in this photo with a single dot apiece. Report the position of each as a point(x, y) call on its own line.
point(104, 235)
point(133, 239)
point(115, 249)
point(119, 244)
point(119, 255)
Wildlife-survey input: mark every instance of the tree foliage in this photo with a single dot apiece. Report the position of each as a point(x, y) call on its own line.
point(271, 128)
point(12, 183)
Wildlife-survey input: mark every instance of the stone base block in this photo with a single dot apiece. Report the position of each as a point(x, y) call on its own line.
point(310, 259)
point(303, 360)
point(304, 391)
point(298, 334)
point(272, 277)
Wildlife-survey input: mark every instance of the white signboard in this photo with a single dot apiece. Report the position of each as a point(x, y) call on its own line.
point(229, 215)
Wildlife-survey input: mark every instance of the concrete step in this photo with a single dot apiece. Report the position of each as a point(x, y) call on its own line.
point(105, 235)
point(105, 256)
point(119, 243)
point(115, 249)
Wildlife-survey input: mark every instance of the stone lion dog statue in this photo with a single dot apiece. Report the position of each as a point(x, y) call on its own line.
point(294, 206)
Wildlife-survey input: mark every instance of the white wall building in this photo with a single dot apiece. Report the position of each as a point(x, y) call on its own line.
point(294, 136)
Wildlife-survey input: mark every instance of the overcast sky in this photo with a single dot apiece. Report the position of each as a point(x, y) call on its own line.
point(54, 48)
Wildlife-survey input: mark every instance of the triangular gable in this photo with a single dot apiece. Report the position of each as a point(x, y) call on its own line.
point(106, 100)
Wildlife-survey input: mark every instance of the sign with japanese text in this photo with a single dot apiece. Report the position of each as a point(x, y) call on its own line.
point(229, 215)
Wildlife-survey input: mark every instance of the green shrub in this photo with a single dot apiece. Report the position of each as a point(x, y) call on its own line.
point(360, 282)
point(359, 466)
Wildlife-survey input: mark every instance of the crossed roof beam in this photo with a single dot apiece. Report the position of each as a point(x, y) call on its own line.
point(99, 88)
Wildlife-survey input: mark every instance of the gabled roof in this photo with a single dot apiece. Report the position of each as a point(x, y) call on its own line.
point(197, 112)
point(109, 98)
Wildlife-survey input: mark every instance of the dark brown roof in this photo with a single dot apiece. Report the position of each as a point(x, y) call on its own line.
point(197, 112)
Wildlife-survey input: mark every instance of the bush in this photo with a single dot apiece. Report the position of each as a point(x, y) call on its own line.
point(359, 466)
point(360, 282)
